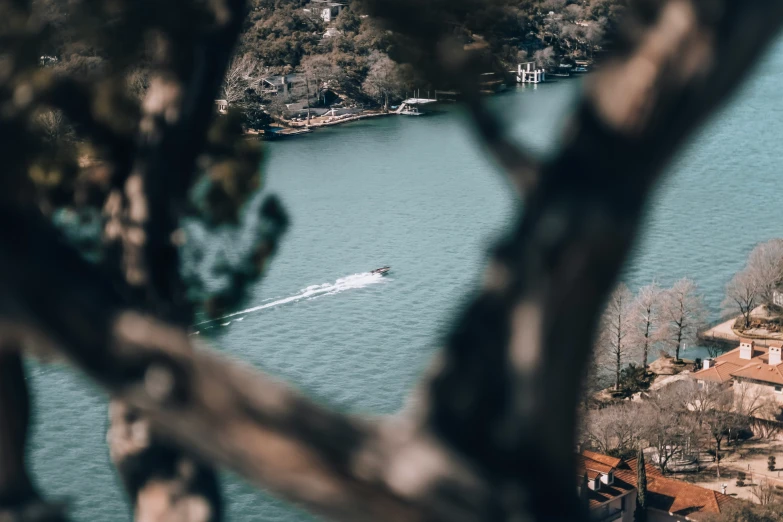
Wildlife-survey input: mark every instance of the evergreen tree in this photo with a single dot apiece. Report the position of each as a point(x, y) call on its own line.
point(641, 489)
point(584, 494)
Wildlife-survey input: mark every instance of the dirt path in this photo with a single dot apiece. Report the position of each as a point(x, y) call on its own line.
point(751, 459)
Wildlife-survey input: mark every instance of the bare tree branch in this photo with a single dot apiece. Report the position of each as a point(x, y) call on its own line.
point(177, 111)
point(502, 399)
point(18, 498)
point(341, 467)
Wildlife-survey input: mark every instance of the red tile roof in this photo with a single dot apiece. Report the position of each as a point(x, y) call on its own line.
point(760, 370)
point(613, 462)
point(675, 496)
point(663, 493)
point(730, 365)
point(583, 462)
point(721, 372)
point(596, 464)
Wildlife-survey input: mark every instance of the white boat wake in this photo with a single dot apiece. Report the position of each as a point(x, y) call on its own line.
point(350, 282)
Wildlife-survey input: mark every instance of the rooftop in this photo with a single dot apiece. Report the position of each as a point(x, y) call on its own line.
point(663, 493)
point(757, 368)
point(675, 496)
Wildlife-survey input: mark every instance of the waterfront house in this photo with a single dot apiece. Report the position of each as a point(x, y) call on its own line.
point(612, 492)
point(609, 498)
point(221, 106)
point(287, 85)
point(754, 371)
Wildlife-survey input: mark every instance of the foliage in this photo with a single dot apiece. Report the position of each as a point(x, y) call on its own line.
point(771, 464)
point(282, 36)
point(634, 379)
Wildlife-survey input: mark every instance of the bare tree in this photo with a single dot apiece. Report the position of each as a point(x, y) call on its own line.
point(321, 71)
point(243, 76)
point(697, 398)
point(764, 491)
point(613, 430)
point(743, 293)
point(646, 317)
point(684, 313)
point(720, 419)
point(714, 348)
point(666, 427)
point(544, 57)
point(385, 79)
point(756, 283)
point(751, 401)
point(614, 341)
point(765, 266)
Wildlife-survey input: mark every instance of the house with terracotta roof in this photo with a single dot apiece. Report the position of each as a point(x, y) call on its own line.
point(754, 371)
point(610, 498)
point(612, 492)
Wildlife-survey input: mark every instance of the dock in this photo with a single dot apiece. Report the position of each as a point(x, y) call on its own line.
point(527, 73)
point(412, 105)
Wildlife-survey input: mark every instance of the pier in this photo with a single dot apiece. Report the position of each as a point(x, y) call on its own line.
point(527, 73)
point(411, 106)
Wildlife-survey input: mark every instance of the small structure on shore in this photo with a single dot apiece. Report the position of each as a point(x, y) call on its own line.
point(221, 106)
point(326, 10)
point(410, 107)
point(527, 73)
point(448, 96)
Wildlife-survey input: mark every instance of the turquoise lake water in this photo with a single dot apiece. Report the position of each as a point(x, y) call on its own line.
point(418, 194)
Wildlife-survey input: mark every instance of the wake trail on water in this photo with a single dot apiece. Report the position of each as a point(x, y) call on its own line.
point(350, 282)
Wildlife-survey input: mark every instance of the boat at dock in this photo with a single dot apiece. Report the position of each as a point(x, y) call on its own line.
point(410, 107)
point(381, 271)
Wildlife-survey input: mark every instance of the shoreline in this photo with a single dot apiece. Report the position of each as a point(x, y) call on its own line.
point(292, 128)
point(301, 128)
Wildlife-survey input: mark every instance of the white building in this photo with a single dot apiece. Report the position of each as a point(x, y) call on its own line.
point(326, 10)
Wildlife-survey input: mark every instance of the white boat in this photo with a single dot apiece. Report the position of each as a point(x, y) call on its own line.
point(411, 111)
point(410, 107)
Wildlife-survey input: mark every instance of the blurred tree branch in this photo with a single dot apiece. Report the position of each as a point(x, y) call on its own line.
point(490, 436)
point(18, 498)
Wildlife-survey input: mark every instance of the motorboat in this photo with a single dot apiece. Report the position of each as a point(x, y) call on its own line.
point(381, 271)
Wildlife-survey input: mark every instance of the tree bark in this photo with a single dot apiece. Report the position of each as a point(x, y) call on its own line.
point(679, 343)
point(18, 498)
point(717, 456)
